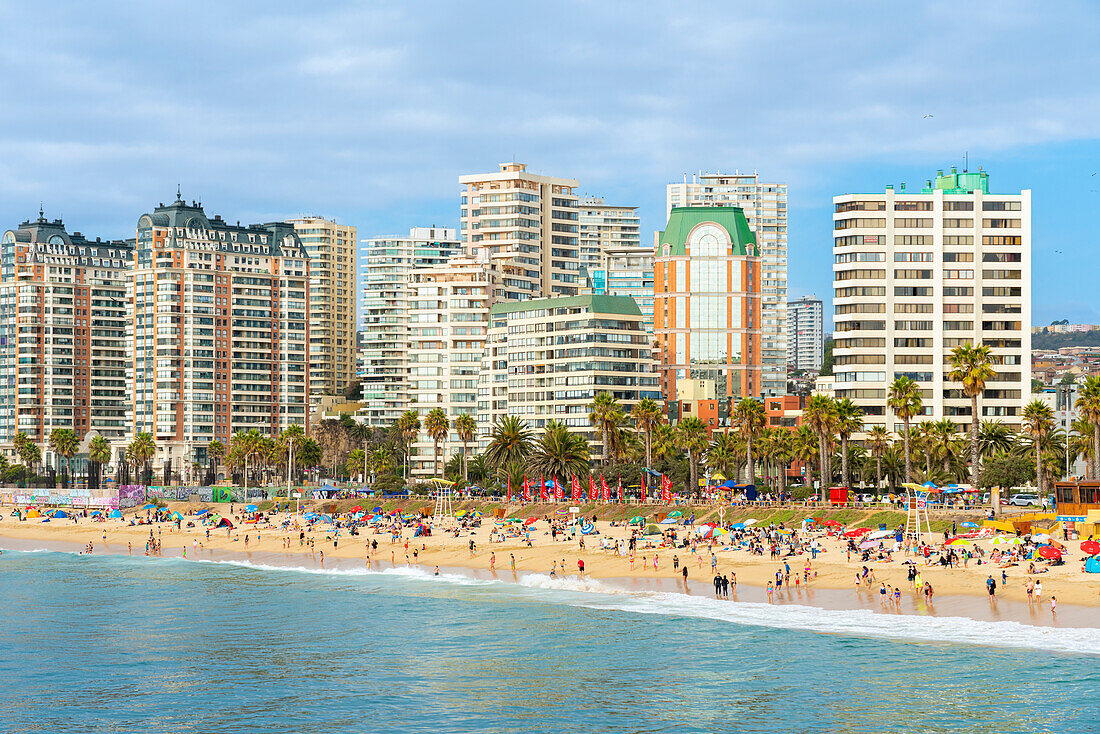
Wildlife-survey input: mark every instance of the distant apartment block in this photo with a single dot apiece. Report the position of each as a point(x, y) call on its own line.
point(626, 271)
point(604, 227)
point(805, 334)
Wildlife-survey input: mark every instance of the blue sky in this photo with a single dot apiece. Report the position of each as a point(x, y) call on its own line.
point(370, 112)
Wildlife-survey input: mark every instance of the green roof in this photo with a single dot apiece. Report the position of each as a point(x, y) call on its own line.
point(683, 219)
point(621, 305)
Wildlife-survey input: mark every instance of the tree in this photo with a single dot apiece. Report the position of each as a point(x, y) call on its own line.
point(309, 454)
point(849, 419)
point(141, 450)
point(941, 435)
point(606, 415)
point(821, 416)
point(1005, 470)
point(509, 441)
point(466, 428)
point(65, 443)
point(723, 454)
point(559, 453)
point(99, 453)
point(904, 398)
point(407, 427)
point(994, 437)
point(292, 437)
point(355, 463)
point(972, 367)
point(691, 436)
point(215, 452)
point(878, 440)
point(804, 446)
point(1080, 443)
point(1038, 423)
point(748, 417)
point(1088, 405)
point(647, 415)
point(828, 360)
point(438, 426)
point(781, 450)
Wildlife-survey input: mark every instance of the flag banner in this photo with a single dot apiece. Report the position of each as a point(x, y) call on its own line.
point(542, 490)
point(526, 489)
point(575, 487)
point(666, 490)
point(606, 489)
point(620, 489)
point(509, 490)
point(593, 495)
point(559, 492)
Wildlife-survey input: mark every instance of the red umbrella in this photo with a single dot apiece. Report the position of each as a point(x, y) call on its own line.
point(1090, 547)
point(1048, 552)
point(857, 532)
point(831, 523)
point(530, 521)
point(357, 508)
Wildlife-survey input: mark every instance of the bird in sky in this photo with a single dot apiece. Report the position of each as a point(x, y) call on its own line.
point(927, 116)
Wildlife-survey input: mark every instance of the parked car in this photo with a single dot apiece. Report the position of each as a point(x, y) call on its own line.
point(1024, 500)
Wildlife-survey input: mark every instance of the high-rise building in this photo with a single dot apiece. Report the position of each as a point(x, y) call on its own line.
point(706, 311)
point(605, 227)
point(449, 315)
point(63, 314)
point(527, 222)
point(386, 267)
point(548, 358)
point(625, 271)
point(765, 208)
point(805, 334)
point(917, 273)
point(220, 314)
point(332, 300)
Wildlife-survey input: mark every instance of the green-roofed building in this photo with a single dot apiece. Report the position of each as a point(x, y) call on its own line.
point(546, 359)
point(706, 311)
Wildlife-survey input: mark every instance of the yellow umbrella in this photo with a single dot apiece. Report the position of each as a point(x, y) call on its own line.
point(718, 476)
point(959, 542)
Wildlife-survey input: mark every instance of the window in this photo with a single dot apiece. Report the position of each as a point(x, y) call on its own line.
point(860, 257)
point(958, 274)
point(1000, 291)
point(912, 257)
point(911, 343)
point(860, 308)
point(915, 376)
point(1001, 206)
point(958, 308)
point(912, 206)
point(860, 290)
point(958, 325)
point(912, 308)
point(1001, 274)
point(1001, 325)
point(913, 325)
point(912, 359)
point(860, 342)
point(913, 239)
point(959, 239)
point(860, 326)
point(859, 239)
point(913, 274)
point(911, 291)
point(861, 359)
point(861, 206)
point(1002, 239)
point(1000, 308)
point(957, 223)
point(860, 222)
point(912, 223)
point(1001, 257)
point(958, 206)
point(957, 291)
point(1001, 223)
point(958, 257)
point(860, 274)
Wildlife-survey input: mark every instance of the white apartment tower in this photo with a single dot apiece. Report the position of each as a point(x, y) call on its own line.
point(805, 334)
point(605, 227)
point(765, 207)
point(527, 222)
point(386, 269)
point(917, 273)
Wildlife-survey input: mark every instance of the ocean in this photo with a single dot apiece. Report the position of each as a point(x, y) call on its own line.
point(137, 644)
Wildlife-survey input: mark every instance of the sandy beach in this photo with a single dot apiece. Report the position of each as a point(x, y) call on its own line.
point(958, 591)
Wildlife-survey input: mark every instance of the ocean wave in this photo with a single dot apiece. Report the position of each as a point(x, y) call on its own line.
point(852, 622)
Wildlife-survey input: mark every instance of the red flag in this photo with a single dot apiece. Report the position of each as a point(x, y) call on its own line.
point(542, 492)
point(620, 489)
point(593, 495)
point(559, 492)
point(666, 490)
point(575, 488)
point(509, 490)
point(526, 489)
point(606, 489)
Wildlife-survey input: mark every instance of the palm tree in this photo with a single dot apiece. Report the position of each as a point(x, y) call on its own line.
point(466, 428)
point(606, 415)
point(99, 453)
point(309, 454)
point(1080, 443)
point(509, 441)
point(407, 428)
point(438, 426)
point(821, 416)
point(781, 450)
point(904, 398)
point(65, 443)
point(215, 452)
point(972, 367)
point(356, 463)
point(1038, 424)
point(1088, 405)
point(941, 436)
point(559, 453)
point(849, 420)
point(878, 440)
point(804, 447)
point(691, 436)
point(748, 417)
point(31, 456)
point(723, 454)
point(292, 437)
point(141, 450)
point(994, 437)
point(647, 415)
point(380, 461)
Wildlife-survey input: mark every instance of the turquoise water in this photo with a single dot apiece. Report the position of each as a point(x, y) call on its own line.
point(121, 644)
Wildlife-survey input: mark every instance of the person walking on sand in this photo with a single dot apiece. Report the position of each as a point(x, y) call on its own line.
point(580, 566)
point(493, 561)
point(718, 586)
point(322, 558)
point(991, 587)
point(1053, 604)
point(1039, 592)
point(685, 573)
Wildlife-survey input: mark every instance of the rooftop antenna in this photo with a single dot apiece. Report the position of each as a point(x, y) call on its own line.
point(966, 161)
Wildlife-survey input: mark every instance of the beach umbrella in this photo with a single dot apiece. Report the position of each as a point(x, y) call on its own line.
point(1049, 552)
point(737, 526)
point(831, 524)
point(636, 520)
point(251, 508)
point(149, 506)
point(704, 531)
point(177, 515)
point(968, 524)
point(530, 521)
point(868, 544)
point(675, 513)
point(751, 521)
point(880, 534)
point(357, 508)
point(1040, 538)
point(96, 513)
point(857, 532)
point(200, 513)
point(959, 543)
point(1090, 547)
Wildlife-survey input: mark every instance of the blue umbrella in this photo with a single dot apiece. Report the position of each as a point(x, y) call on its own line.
point(737, 526)
point(968, 524)
point(96, 513)
point(149, 506)
point(200, 513)
point(251, 508)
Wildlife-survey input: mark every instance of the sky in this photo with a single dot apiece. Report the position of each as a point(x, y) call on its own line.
point(369, 112)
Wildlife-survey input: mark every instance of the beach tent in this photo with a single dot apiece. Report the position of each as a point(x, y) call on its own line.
point(59, 514)
point(177, 515)
point(1092, 565)
point(117, 514)
point(223, 522)
point(652, 529)
point(33, 513)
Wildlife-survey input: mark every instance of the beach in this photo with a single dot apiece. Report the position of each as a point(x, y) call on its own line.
point(829, 581)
